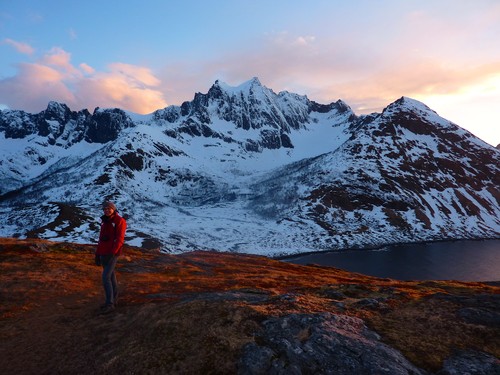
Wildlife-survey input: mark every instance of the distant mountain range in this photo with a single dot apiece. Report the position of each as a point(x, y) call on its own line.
point(247, 170)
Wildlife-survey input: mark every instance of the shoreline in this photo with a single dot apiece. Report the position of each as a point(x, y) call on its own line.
point(457, 260)
point(297, 255)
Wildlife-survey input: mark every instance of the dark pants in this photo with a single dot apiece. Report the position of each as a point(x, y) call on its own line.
point(109, 278)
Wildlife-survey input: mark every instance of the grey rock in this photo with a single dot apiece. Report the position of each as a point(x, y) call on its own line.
point(255, 359)
point(480, 316)
point(321, 344)
point(471, 363)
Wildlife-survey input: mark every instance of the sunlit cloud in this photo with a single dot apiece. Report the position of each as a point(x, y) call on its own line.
point(54, 77)
point(61, 60)
point(32, 86)
point(420, 80)
point(87, 69)
point(135, 74)
point(20, 47)
point(124, 86)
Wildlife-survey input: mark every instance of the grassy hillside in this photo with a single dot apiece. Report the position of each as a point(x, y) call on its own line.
point(193, 313)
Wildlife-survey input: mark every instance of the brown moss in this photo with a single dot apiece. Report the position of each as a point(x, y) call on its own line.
point(428, 331)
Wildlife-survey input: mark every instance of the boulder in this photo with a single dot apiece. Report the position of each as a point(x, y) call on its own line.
point(322, 343)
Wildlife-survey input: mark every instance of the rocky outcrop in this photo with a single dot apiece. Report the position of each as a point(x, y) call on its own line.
point(471, 362)
point(64, 127)
point(106, 125)
point(321, 344)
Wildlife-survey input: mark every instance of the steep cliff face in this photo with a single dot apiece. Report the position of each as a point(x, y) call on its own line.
point(60, 126)
point(245, 169)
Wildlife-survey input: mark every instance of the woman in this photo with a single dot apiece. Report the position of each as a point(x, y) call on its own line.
point(109, 247)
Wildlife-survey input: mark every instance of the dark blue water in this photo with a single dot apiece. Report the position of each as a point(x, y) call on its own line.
point(458, 260)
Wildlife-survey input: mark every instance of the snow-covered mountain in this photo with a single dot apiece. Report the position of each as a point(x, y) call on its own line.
point(245, 169)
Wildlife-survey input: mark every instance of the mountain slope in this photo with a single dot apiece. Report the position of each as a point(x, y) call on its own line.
point(245, 169)
point(406, 174)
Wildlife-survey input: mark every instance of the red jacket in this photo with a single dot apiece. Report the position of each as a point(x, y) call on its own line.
point(112, 235)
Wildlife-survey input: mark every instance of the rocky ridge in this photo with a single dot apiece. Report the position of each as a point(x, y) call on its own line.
point(245, 169)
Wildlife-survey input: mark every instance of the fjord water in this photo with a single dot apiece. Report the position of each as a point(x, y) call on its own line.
point(457, 260)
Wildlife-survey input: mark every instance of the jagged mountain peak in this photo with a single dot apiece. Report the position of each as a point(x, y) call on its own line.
point(252, 89)
point(250, 106)
point(244, 87)
point(407, 114)
point(406, 104)
point(56, 110)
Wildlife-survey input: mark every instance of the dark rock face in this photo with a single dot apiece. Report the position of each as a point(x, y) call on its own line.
point(484, 310)
point(471, 362)
point(169, 114)
point(65, 127)
point(105, 125)
point(480, 316)
point(321, 344)
point(17, 124)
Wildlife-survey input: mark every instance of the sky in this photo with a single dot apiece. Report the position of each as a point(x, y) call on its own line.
point(147, 54)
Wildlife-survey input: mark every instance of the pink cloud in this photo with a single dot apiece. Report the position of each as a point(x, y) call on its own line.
point(327, 70)
point(366, 75)
point(124, 86)
point(54, 77)
point(32, 86)
point(57, 57)
point(61, 60)
point(418, 80)
point(86, 68)
point(20, 47)
point(135, 74)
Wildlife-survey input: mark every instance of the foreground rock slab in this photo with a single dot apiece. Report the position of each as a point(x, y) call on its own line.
point(321, 344)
